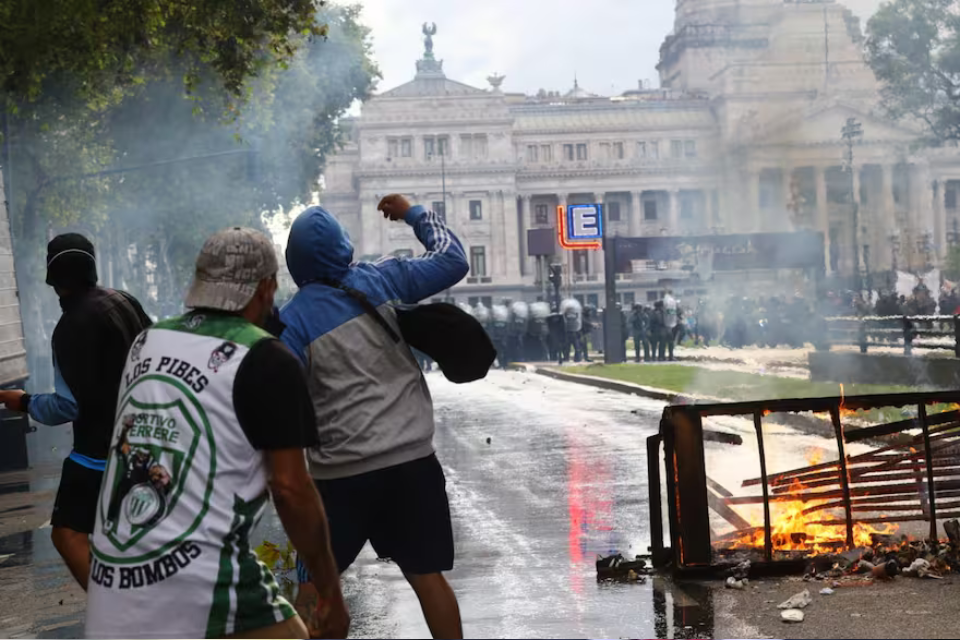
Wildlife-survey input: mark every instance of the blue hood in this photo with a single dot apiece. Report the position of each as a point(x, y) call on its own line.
point(318, 247)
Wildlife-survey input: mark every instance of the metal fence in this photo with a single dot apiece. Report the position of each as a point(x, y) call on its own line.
point(908, 332)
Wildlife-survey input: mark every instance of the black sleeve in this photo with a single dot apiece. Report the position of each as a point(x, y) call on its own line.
point(271, 399)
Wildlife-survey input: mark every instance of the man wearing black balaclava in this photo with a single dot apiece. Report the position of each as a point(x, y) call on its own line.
point(90, 346)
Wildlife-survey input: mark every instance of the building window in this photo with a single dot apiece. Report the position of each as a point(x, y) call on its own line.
point(950, 198)
point(676, 148)
point(655, 150)
point(649, 209)
point(541, 214)
point(478, 262)
point(487, 301)
point(690, 148)
point(568, 152)
point(476, 210)
point(406, 147)
point(653, 296)
point(641, 149)
point(546, 153)
point(581, 263)
point(533, 153)
point(613, 211)
point(629, 298)
point(473, 146)
point(593, 300)
point(435, 145)
point(581, 152)
point(473, 301)
point(393, 148)
point(618, 151)
point(440, 209)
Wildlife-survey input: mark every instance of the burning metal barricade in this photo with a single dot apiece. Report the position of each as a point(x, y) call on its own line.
point(890, 481)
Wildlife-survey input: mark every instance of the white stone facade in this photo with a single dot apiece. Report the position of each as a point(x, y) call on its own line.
point(744, 136)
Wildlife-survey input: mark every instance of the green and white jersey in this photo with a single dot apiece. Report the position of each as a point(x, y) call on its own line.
point(183, 489)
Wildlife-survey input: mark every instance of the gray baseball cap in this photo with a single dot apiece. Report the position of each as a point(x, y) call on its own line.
point(230, 266)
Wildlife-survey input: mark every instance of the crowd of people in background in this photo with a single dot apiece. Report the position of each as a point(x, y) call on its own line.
point(531, 332)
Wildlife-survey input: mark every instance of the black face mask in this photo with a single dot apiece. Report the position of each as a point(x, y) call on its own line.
point(71, 262)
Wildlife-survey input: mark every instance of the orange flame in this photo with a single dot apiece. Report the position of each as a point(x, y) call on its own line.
point(792, 529)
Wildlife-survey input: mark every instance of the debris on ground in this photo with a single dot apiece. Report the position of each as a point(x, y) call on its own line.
point(617, 568)
point(489, 440)
point(792, 616)
point(827, 591)
point(733, 583)
point(797, 601)
point(920, 568)
point(741, 571)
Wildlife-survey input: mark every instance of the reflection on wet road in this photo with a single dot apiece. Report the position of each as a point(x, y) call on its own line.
point(562, 479)
point(542, 476)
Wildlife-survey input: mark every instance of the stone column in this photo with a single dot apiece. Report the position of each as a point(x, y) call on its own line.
point(526, 215)
point(752, 215)
point(673, 212)
point(785, 224)
point(888, 212)
point(939, 219)
point(636, 214)
point(370, 227)
point(823, 214)
point(507, 205)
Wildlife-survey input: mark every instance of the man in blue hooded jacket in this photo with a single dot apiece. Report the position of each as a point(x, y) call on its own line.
point(375, 466)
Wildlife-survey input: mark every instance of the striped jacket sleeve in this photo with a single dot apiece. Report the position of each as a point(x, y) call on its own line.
point(441, 267)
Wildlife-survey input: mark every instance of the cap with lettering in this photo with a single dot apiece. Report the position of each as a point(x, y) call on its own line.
point(230, 266)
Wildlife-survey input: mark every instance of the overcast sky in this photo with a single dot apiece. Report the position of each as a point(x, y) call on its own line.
point(608, 44)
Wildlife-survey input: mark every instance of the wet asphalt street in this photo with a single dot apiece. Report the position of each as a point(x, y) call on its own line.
point(561, 479)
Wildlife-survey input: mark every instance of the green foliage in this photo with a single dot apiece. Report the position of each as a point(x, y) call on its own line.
point(135, 171)
point(93, 49)
point(913, 46)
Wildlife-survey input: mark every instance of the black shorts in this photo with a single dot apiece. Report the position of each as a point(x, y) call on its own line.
point(403, 511)
point(76, 505)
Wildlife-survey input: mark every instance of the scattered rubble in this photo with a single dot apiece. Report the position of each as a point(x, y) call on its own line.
point(619, 569)
point(798, 601)
point(792, 616)
point(827, 591)
point(733, 583)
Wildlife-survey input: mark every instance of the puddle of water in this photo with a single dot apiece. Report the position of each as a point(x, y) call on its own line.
point(18, 548)
point(14, 487)
point(682, 610)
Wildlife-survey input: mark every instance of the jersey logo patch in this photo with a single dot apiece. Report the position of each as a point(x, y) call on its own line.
point(221, 355)
point(193, 322)
point(142, 486)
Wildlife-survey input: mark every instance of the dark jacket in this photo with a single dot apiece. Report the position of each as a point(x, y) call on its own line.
point(90, 346)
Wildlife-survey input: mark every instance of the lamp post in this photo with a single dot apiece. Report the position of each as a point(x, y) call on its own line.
point(851, 132)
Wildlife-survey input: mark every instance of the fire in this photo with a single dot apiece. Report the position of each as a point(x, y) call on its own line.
point(794, 526)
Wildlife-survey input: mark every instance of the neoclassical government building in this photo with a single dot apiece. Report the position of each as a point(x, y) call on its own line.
point(743, 135)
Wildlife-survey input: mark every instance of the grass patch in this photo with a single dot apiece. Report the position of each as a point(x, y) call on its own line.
point(732, 385)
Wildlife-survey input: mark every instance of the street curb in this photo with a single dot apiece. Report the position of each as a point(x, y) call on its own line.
point(606, 384)
point(805, 424)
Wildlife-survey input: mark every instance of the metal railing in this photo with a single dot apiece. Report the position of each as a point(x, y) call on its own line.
point(910, 332)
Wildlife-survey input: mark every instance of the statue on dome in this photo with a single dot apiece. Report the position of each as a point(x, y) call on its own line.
point(429, 30)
